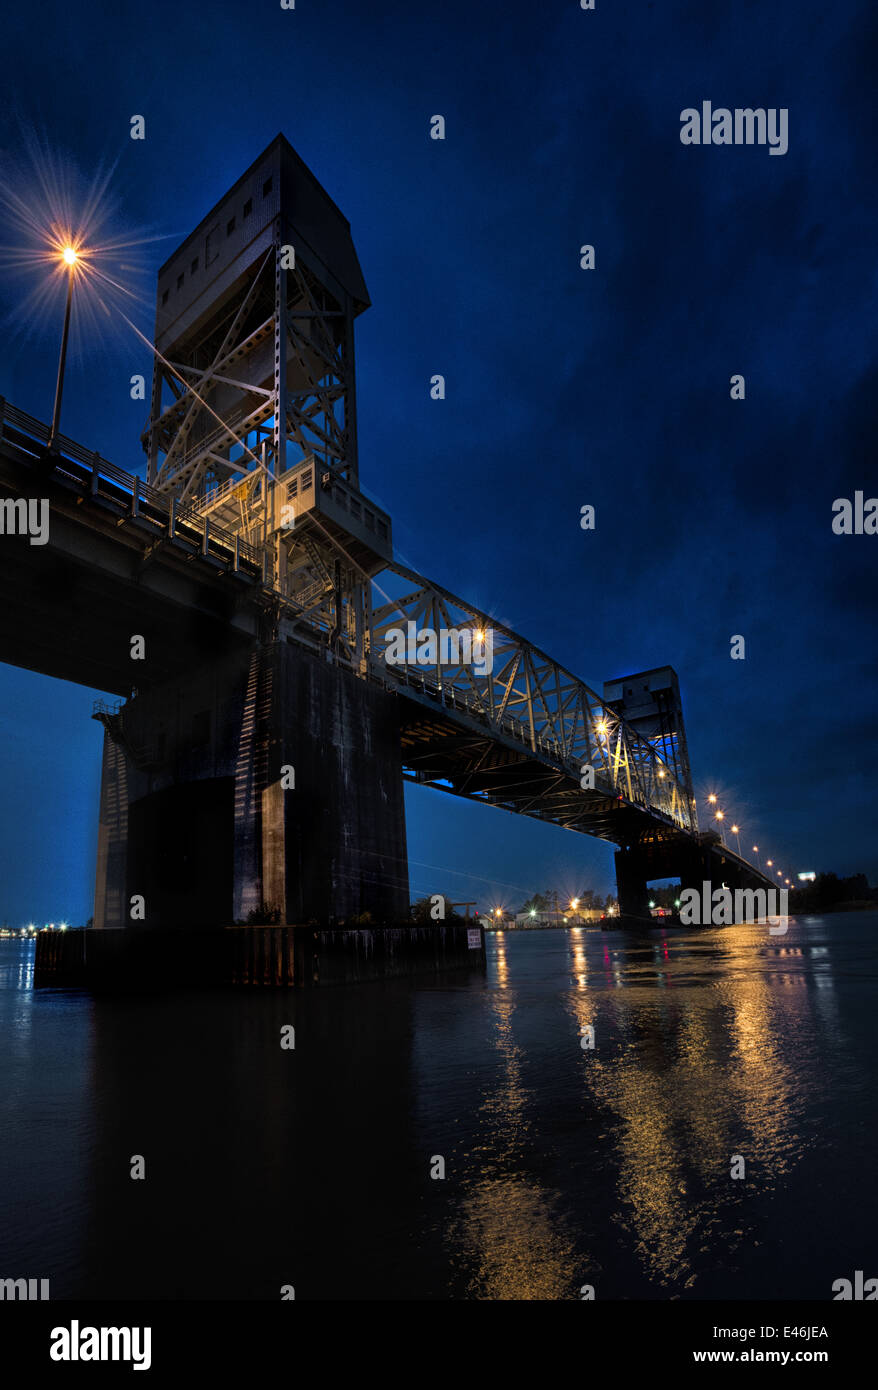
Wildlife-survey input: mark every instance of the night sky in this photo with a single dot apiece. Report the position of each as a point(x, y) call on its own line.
point(564, 386)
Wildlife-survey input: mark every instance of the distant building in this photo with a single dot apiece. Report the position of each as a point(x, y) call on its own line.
point(578, 918)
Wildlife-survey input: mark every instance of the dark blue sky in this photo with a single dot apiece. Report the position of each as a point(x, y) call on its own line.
point(565, 387)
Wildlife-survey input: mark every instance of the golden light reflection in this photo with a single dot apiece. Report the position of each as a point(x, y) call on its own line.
point(579, 959)
point(520, 1254)
point(518, 1248)
point(698, 1055)
point(500, 958)
point(688, 1087)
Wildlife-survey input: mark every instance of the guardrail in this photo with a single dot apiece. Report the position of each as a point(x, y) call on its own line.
point(100, 479)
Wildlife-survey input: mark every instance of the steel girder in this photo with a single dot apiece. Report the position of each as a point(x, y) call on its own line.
point(226, 404)
point(551, 725)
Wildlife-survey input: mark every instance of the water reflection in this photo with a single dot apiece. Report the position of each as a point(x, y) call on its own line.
point(564, 1165)
point(707, 1052)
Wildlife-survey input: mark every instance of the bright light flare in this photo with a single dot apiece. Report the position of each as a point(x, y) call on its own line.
point(56, 225)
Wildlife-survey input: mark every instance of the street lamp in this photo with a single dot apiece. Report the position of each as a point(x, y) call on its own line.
point(720, 817)
point(758, 861)
point(736, 831)
point(70, 257)
point(712, 799)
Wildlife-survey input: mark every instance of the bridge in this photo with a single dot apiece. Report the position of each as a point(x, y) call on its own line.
point(279, 674)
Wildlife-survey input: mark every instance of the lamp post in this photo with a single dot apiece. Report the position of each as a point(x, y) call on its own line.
point(70, 258)
point(758, 860)
point(736, 831)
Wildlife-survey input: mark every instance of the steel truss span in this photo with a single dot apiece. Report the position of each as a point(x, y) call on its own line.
point(518, 729)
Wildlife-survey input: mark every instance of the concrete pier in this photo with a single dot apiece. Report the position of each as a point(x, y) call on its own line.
point(261, 788)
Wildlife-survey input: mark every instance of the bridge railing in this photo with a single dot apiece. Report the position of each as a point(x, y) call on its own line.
point(89, 472)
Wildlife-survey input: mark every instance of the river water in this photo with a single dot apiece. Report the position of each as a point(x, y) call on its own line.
point(311, 1167)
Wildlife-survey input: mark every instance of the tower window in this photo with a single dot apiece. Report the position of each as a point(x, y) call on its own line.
point(248, 207)
point(210, 246)
point(266, 188)
point(231, 227)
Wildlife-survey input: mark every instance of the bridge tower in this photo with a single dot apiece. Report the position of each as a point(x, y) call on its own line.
point(253, 410)
point(262, 783)
point(650, 703)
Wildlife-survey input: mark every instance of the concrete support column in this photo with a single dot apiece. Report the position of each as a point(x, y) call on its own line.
point(265, 785)
point(631, 876)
